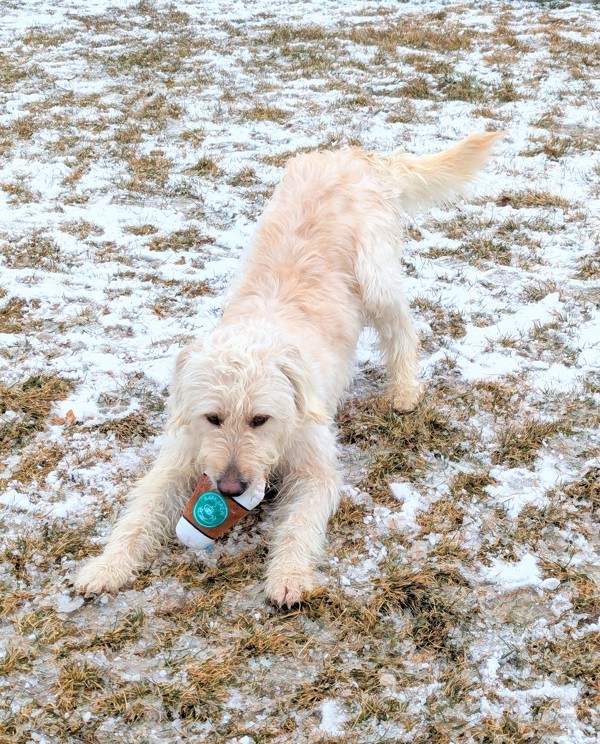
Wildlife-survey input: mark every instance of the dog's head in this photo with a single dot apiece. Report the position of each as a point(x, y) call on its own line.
point(243, 392)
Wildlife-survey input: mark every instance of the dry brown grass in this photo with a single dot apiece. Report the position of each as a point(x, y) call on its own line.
point(123, 633)
point(127, 429)
point(189, 239)
point(532, 198)
point(518, 443)
point(245, 177)
point(14, 659)
point(570, 660)
point(35, 251)
point(588, 267)
point(346, 616)
point(131, 701)
point(206, 166)
point(537, 290)
point(414, 33)
point(443, 318)
point(76, 680)
point(16, 316)
point(44, 626)
point(393, 633)
point(205, 691)
point(19, 193)
point(586, 490)
point(148, 173)
point(553, 147)
point(500, 396)
point(399, 445)
point(37, 463)
point(267, 113)
point(349, 515)
point(48, 544)
point(32, 401)
point(434, 612)
point(12, 599)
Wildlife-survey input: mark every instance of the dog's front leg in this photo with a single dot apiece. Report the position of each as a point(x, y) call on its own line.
point(310, 495)
point(154, 505)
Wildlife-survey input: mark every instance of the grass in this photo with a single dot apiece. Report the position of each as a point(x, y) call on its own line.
point(14, 315)
point(36, 251)
point(413, 34)
point(129, 702)
point(14, 659)
point(588, 267)
point(570, 660)
point(586, 490)
point(267, 113)
point(443, 320)
point(19, 193)
point(206, 166)
point(44, 626)
point(37, 464)
point(519, 443)
point(123, 633)
point(148, 173)
point(75, 680)
point(127, 429)
point(205, 690)
point(31, 402)
point(553, 147)
point(127, 178)
point(420, 592)
point(48, 545)
point(400, 445)
point(532, 198)
point(537, 290)
point(190, 239)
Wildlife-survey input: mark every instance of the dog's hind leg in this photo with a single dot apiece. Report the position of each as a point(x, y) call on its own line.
point(153, 507)
point(309, 496)
point(386, 308)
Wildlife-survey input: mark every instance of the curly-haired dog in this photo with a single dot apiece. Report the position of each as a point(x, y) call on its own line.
point(258, 394)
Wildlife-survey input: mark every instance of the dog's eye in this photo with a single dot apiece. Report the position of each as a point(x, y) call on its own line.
point(213, 419)
point(258, 421)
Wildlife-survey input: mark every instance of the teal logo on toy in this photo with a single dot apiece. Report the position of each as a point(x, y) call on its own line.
point(210, 510)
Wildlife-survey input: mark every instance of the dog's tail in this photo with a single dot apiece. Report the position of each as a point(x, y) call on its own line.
point(422, 181)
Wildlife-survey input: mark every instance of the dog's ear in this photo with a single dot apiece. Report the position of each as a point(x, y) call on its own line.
point(177, 406)
point(300, 376)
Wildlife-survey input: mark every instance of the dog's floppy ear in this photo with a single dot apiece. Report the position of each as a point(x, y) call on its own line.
point(299, 374)
point(177, 406)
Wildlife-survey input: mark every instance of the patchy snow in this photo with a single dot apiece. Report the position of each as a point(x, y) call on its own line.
point(106, 110)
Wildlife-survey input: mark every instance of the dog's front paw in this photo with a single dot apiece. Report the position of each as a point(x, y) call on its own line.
point(286, 589)
point(407, 398)
point(102, 574)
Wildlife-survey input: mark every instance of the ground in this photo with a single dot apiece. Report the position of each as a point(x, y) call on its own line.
point(459, 592)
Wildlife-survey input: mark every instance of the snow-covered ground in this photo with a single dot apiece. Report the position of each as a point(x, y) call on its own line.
point(138, 145)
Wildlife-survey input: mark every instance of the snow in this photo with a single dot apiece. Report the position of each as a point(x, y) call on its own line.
point(412, 502)
point(65, 603)
point(510, 576)
point(332, 718)
point(112, 319)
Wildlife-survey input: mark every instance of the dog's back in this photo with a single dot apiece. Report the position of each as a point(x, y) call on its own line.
point(335, 210)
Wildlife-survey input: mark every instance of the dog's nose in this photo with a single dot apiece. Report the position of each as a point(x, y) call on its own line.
point(229, 486)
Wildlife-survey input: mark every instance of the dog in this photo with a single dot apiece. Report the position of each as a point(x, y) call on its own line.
point(257, 395)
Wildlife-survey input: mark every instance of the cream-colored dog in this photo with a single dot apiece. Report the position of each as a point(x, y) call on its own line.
point(258, 394)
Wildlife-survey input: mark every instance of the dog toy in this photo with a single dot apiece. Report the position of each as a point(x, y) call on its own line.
point(209, 514)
